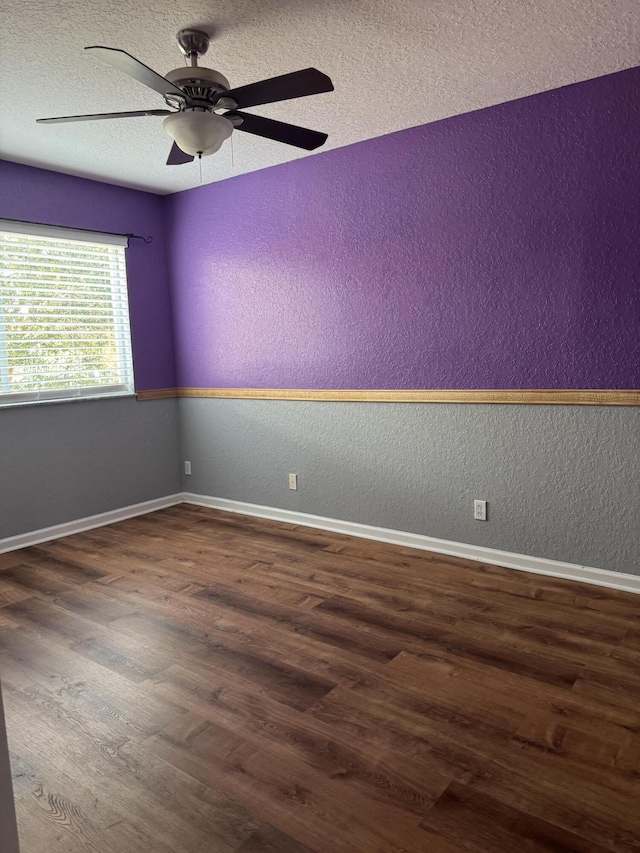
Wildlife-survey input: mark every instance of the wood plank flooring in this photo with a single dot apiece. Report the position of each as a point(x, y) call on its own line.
point(192, 681)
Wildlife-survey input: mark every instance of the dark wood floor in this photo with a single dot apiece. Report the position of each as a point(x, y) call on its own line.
point(199, 682)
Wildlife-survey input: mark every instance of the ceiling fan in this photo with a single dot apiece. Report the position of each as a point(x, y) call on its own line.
point(197, 94)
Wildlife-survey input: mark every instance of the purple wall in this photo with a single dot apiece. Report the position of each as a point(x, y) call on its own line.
point(498, 249)
point(44, 196)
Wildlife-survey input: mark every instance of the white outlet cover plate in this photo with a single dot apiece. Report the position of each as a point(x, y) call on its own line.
point(480, 510)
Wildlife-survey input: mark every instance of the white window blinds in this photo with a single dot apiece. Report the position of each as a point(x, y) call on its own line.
point(64, 314)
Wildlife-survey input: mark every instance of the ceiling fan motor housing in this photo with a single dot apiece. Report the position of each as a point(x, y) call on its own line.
point(199, 82)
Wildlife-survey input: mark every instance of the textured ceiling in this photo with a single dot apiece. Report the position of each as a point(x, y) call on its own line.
point(394, 65)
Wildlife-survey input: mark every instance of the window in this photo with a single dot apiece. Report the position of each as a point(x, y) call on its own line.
point(64, 314)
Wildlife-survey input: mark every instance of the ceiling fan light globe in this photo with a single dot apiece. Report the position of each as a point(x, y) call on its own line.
point(198, 131)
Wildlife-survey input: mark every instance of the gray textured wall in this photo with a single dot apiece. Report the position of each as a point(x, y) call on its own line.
point(8, 832)
point(562, 482)
point(63, 461)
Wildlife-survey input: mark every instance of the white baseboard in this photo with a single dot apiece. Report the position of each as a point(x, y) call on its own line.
point(45, 534)
point(521, 562)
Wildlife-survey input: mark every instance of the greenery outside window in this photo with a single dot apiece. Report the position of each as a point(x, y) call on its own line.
point(64, 314)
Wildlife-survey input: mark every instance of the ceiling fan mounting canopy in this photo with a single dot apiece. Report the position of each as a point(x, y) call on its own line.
point(192, 41)
point(198, 95)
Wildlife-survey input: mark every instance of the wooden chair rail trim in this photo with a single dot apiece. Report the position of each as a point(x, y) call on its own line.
point(545, 397)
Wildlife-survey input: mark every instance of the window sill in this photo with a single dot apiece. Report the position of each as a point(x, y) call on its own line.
point(19, 404)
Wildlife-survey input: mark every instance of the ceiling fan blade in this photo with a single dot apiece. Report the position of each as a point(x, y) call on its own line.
point(123, 61)
point(298, 84)
point(97, 116)
point(290, 134)
point(177, 156)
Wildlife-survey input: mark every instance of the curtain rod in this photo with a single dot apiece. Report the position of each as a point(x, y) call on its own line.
point(148, 239)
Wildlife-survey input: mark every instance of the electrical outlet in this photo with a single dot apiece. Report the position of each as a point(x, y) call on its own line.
point(480, 510)
point(293, 482)
point(187, 467)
